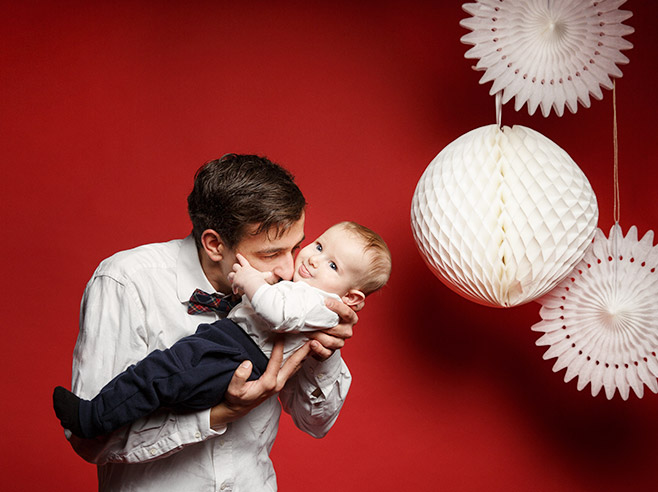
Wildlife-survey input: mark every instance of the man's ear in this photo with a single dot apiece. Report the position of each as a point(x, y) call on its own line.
point(213, 245)
point(355, 299)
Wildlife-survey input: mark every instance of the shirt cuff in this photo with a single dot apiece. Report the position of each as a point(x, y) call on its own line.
point(208, 430)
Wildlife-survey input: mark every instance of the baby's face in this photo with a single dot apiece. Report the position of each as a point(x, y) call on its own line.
point(334, 262)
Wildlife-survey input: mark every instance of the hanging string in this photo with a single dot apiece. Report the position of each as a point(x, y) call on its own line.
point(616, 210)
point(499, 109)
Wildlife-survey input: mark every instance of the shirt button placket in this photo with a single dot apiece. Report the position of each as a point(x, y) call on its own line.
point(223, 461)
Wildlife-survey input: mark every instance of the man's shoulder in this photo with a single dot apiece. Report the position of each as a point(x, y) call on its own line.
point(141, 258)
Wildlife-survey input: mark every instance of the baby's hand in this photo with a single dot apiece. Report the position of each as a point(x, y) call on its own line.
point(245, 279)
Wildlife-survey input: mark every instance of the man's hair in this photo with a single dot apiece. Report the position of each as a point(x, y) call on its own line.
point(237, 191)
point(379, 268)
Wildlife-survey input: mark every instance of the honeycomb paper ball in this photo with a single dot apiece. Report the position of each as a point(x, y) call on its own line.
point(502, 215)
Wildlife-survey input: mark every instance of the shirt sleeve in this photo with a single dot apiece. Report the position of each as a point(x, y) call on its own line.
point(315, 395)
point(293, 307)
point(113, 336)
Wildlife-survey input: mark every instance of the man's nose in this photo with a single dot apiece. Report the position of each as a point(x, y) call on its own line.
point(285, 267)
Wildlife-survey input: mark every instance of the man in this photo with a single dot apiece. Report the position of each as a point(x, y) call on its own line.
point(146, 299)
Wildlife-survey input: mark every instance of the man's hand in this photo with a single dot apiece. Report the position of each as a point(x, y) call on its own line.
point(325, 343)
point(242, 396)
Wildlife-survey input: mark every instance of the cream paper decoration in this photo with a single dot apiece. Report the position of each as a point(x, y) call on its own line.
point(547, 53)
point(601, 321)
point(502, 215)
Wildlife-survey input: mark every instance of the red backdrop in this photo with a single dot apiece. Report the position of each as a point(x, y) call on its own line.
point(107, 109)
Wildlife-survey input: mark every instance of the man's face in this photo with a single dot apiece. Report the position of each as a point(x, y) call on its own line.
point(268, 253)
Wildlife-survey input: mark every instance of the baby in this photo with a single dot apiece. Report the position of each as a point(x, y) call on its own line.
point(347, 262)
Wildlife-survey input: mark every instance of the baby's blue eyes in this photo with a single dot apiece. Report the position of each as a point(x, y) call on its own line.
point(332, 265)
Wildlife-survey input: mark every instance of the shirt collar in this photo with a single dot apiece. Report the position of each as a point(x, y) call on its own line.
point(189, 274)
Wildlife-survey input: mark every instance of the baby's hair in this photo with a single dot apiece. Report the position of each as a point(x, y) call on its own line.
point(374, 246)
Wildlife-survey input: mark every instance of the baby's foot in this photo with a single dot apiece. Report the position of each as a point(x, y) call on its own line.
point(67, 409)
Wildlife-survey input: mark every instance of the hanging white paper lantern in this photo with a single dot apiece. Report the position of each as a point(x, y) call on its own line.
point(601, 321)
point(547, 52)
point(501, 216)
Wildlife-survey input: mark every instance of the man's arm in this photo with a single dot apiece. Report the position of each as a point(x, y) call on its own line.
point(315, 395)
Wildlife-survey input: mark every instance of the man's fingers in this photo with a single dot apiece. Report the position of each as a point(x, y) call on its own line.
point(276, 358)
point(319, 352)
point(244, 370)
point(331, 342)
point(293, 364)
point(346, 314)
point(240, 377)
point(340, 331)
point(323, 346)
point(267, 380)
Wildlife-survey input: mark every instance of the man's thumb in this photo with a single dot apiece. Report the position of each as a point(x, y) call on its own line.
point(244, 370)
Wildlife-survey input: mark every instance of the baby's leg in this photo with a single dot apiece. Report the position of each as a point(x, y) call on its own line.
point(193, 374)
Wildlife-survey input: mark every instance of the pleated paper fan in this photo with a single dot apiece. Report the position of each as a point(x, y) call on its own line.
point(501, 215)
point(601, 322)
point(547, 53)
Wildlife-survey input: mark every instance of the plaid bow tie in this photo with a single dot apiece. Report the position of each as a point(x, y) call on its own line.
point(202, 302)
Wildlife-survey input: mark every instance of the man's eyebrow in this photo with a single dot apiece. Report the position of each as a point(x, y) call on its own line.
point(270, 251)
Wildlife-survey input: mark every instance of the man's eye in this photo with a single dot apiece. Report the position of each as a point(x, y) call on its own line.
point(333, 266)
point(318, 246)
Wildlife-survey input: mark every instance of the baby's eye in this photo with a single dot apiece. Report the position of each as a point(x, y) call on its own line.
point(318, 246)
point(333, 266)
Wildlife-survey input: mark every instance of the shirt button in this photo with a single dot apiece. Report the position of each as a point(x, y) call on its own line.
point(153, 451)
point(197, 435)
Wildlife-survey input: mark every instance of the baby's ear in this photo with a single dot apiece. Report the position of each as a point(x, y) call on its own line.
point(355, 299)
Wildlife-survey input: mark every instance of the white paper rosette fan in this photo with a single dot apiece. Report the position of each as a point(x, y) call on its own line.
point(601, 321)
point(502, 215)
point(547, 53)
